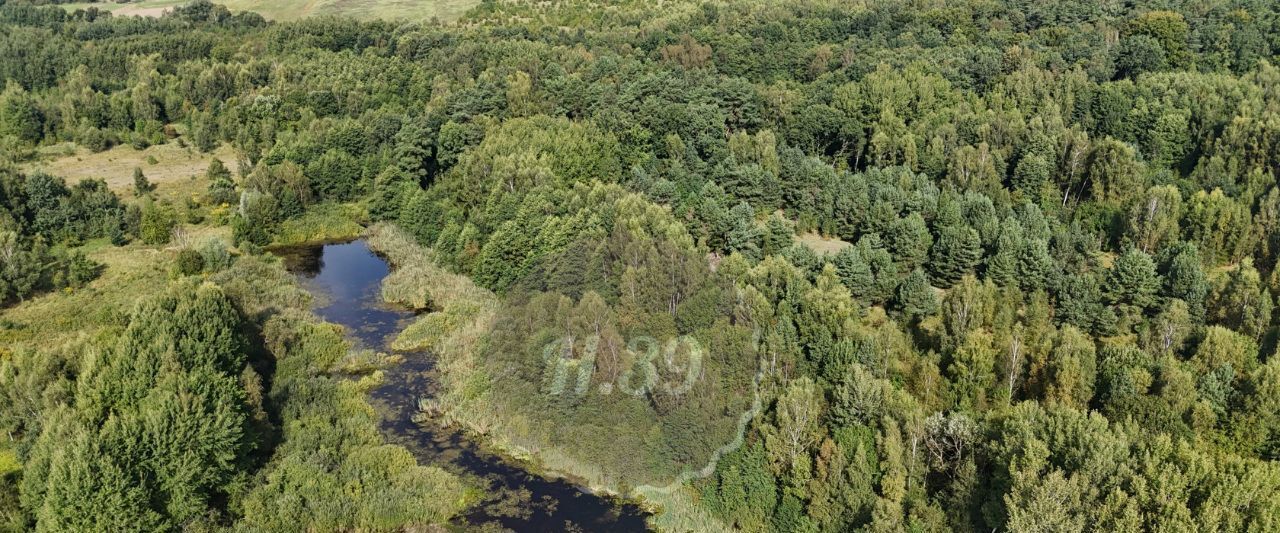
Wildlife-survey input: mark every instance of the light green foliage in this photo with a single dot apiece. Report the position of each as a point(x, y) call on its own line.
point(1153, 218)
point(1216, 224)
point(324, 222)
point(160, 423)
point(1056, 313)
point(157, 223)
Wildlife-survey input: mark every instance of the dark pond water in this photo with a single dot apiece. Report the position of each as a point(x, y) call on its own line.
point(346, 279)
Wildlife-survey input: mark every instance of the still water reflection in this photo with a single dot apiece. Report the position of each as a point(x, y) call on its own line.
point(346, 279)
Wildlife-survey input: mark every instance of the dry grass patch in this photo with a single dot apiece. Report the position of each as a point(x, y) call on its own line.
point(445, 10)
point(823, 245)
point(177, 171)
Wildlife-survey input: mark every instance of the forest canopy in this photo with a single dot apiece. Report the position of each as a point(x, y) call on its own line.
point(977, 265)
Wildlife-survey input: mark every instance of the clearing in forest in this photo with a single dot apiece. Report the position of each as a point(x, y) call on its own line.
point(823, 245)
point(173, 165)
point(445, 10)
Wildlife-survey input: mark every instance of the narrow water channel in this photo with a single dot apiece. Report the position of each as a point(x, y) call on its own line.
point(346, 280)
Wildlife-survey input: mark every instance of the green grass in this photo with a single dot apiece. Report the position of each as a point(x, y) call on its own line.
point(430, 331)
point(445, 10)
point(69, 315)
point(8, 460)
point(321, 223)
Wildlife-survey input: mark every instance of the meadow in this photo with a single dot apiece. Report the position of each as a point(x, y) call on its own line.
point(174, 170)
point(283, 10)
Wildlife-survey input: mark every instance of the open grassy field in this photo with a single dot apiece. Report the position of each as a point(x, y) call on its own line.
point(445, 10)
point(177, 171)
point(823, 245)
point(129, 272)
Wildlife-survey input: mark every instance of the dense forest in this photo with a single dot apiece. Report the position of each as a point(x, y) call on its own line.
point(806, 265)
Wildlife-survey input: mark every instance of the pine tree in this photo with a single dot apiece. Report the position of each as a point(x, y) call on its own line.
point(19, 116)
point(1184, 277)
point(778, 235)
point(414, 149)
point(854, 272)
point(744, 237)
point(1035, 265)
point(915, 298)
point(140, 184)
point(1002, 268)
point(954, 254)
point(1032, 172)
point(909, 240)
point(1132, 280)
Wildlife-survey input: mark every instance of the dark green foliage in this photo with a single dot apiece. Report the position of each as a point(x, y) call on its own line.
point(778, 235)
point(22, 268)
point(189, 262)
point(41, 211)
point(1091, 189)
point(140, 184)
point(334, 175)
point(71, 269)
point(954, 254)
point(1132, 280)
point(19, 115)
point(1032, 172)
point(854, 271)
point(915, 298)
point(160, 424)
point(909, 240)
point(1184, 278)
point(745, 236)
point(221, 189)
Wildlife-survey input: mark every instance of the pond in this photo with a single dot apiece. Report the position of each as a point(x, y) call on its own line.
point(346, 280)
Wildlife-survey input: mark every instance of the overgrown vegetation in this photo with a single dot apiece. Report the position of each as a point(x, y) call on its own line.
point(1034, 287)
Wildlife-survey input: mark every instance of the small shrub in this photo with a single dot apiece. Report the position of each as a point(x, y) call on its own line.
point(190, 262)
point(215, 255)
point(156, 224)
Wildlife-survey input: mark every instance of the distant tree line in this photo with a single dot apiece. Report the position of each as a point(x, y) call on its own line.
point(1052, 307)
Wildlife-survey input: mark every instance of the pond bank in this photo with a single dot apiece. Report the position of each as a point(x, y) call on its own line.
point(348, 280)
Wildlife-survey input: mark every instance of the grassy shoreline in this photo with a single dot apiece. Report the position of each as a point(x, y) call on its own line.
point(461, 314)
point(308, 356)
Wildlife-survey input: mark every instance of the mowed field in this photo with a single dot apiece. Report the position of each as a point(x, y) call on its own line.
point(445, 10)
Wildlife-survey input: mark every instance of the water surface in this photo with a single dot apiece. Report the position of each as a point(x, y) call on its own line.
point(346, 279)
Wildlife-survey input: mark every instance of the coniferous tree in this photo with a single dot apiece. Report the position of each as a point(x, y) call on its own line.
point(140, 184)
point(854, 272)
point(909, 240)
point(915, 298)
point(19, 115)
point(954, 254)
point(1132, 280)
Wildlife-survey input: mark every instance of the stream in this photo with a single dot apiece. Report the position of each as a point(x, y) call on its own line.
point(346, 280)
